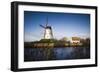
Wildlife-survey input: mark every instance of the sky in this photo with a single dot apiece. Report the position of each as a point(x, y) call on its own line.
point(63, 25)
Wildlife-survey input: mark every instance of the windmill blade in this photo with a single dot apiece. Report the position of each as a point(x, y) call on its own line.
point(46, 21)
point(42, 26)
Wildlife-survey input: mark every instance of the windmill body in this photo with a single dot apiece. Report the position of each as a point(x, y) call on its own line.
point(48, 33)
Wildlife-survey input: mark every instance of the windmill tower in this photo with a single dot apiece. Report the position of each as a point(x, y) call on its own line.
point(47, 31)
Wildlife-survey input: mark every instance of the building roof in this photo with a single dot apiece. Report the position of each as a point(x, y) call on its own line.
point(75, 38)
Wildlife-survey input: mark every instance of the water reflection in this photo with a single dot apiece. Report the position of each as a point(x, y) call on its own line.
point(42, 54)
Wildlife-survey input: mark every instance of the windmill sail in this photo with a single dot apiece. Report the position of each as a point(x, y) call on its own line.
point(46, 21)
point(42, 26)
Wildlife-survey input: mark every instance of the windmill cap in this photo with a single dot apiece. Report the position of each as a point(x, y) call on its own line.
point(48, 27)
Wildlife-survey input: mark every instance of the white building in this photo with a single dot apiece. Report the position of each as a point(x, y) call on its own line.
point(75, 40)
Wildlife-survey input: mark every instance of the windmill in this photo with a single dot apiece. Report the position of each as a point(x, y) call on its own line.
point(47, 31)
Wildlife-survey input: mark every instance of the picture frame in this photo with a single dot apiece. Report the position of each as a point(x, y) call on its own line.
point(26, 16)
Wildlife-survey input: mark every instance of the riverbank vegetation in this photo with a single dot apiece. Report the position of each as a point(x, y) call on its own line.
point(52, 43)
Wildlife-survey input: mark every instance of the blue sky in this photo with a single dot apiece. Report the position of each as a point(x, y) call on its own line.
point(63, 24)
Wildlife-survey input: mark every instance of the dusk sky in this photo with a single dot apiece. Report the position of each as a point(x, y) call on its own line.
point(63, 25)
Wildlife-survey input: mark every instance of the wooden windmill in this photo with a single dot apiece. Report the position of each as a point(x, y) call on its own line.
point(48, 34)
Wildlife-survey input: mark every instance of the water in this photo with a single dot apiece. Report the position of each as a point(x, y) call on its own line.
point(43, 54)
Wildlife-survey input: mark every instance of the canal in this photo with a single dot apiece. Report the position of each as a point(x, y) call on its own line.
point(67, 53)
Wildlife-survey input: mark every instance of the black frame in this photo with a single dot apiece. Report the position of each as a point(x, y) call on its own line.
point(14, 35)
